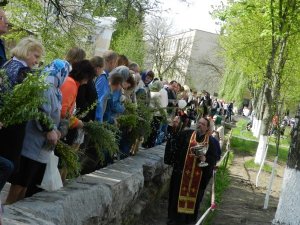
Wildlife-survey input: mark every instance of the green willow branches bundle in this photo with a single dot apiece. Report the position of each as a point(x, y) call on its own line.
point(136, 120)
point(69, 158)
point(104, 137)
point(22, 103)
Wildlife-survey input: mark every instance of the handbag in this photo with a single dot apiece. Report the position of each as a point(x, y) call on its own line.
point(52, 179)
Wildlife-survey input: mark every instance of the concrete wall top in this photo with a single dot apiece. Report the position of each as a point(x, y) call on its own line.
point(97, 198)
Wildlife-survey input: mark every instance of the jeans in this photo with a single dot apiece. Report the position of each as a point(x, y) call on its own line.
point(6, 169)
point(161, 138)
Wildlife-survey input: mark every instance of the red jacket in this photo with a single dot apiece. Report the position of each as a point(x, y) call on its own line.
point(69, 91)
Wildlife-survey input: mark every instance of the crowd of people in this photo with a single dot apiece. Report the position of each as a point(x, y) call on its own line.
point(75, 85)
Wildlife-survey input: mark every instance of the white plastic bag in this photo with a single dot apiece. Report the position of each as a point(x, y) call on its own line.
point(52, 180)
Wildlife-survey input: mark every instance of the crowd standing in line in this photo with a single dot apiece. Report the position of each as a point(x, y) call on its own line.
point(75, 85)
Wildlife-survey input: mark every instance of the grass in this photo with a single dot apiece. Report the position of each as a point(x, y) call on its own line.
point(221, 184)
point(250, 164)
point(241, 131)
point(244, 142)
point(249, 147)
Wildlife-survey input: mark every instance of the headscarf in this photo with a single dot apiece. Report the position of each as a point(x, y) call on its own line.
point(143, 75)
point(57, 71)
point(122, 70)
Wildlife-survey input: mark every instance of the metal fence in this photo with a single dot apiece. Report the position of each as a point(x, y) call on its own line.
point(222, 162)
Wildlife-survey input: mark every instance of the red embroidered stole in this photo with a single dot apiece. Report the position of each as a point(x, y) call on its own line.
point(190, 181)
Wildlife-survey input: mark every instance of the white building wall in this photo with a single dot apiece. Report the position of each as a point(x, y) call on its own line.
point(204, 50)
point(205, 65)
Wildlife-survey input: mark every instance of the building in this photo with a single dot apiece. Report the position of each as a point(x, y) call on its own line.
point(101, 37)
point(199, 64)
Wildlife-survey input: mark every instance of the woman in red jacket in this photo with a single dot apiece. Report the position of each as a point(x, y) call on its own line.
point(80, 74)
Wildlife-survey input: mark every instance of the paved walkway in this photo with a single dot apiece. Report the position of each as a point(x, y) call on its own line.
point(242, 203)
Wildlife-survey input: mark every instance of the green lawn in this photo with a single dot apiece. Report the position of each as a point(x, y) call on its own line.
point(241, 131)
point(251, 165)
point(244, 142)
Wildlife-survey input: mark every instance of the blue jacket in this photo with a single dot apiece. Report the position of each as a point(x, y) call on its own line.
point(113, 107)
point(103, 91)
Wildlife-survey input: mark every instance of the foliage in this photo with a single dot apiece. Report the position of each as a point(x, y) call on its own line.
point(130, 14)
point(104, 137)
point(83, 114)
point(129, 118)
point(65, 24)
point(129, 42)
point(60, 25)
point(136, 120)
point(22, 103)
point(260, 41)
point(69, 158)
point(168, 55)
point(144, 123)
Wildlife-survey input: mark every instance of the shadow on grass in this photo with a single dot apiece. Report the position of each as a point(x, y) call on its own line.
point(248, 147)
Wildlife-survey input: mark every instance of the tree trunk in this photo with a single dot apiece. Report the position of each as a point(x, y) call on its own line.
point(263, 126)
point(288, 209)
point(259, 113)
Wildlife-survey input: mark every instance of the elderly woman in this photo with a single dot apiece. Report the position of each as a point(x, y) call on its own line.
point(25, 56)
point(40, 140)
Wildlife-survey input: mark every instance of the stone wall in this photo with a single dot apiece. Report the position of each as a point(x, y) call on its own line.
point(115, 195)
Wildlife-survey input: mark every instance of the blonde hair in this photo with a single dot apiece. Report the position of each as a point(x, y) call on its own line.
point(26, 45)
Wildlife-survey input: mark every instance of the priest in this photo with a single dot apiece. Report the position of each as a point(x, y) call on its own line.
point(189, 180)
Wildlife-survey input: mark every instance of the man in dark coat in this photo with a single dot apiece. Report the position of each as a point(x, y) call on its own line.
point(188, 181)
point(172, 97)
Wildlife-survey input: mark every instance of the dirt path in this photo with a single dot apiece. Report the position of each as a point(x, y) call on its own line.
point(242, 203)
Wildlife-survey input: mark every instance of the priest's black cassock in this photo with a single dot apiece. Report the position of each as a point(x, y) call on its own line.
point(181, 150)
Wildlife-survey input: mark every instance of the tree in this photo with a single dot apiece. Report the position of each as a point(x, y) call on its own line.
point(60, 25)
point(288, 208)
point(167, 53)
point(130, 43)
point(128, 39)
point(259, 41)
point(65, 24)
